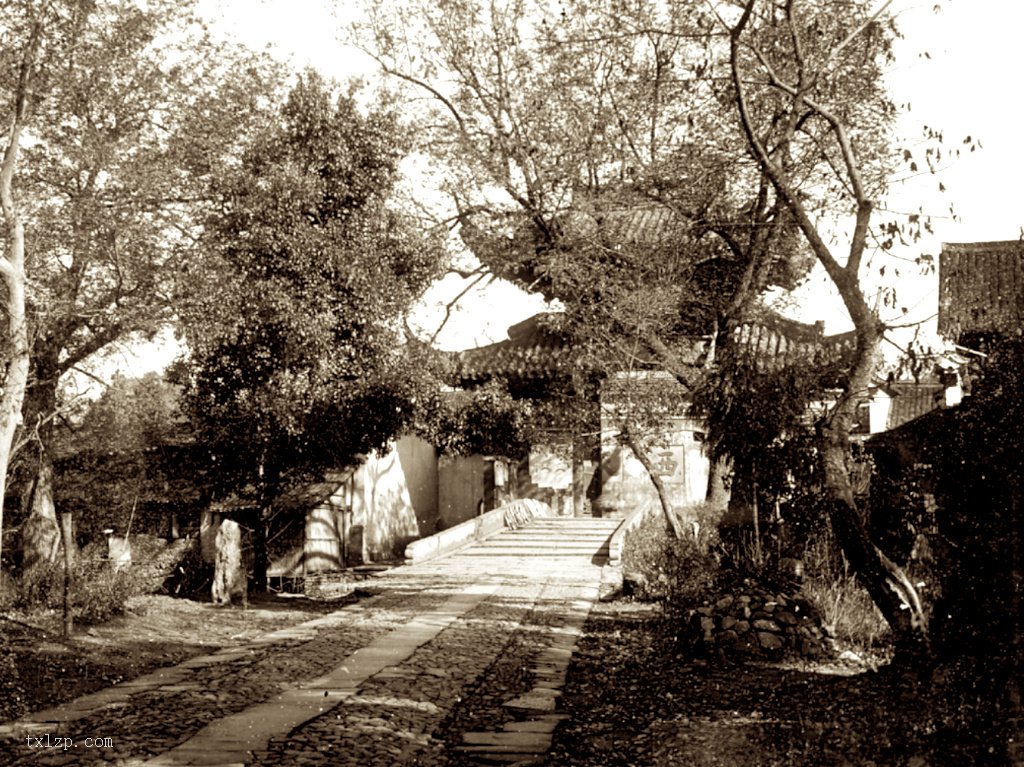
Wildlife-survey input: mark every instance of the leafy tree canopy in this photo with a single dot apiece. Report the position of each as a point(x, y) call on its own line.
point(130, 416)
point(298, 359)
point(129, 458)
point(590, 159)
point(486, 420)
point(127, 109)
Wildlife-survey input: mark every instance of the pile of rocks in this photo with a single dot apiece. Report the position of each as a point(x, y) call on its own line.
point(754, 622)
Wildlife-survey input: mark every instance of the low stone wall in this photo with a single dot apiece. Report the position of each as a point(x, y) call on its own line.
point(753, 623)
point(153, 559)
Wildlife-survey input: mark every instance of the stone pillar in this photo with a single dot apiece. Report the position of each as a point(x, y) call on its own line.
point(229, 576)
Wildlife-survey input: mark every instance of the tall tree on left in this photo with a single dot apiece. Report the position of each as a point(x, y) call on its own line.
point(31, 35)
point(135, 107)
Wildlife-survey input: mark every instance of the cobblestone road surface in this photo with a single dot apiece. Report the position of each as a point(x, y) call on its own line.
point(375, 683)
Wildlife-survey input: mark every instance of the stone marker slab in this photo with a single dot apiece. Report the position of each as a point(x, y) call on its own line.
point(534, 701)
point(546, 724)
point(518, 742)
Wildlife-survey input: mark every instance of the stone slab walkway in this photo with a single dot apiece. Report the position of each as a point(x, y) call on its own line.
point(525, 740)
point(371, 684)
point(232, 740)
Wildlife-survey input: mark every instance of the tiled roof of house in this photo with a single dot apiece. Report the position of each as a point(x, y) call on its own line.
point(295, 497)
point(911, 400)
point(306, 495)
point(918, 437)
point(981, 288)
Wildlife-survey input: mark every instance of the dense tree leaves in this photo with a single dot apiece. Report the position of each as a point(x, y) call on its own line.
point(298, 359)
point(946, 501)
point(129, 459)
point(589, 160)
point(974, 540)
point(486, 420)
point(130, 415)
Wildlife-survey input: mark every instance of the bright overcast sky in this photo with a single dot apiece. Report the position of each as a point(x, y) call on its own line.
point(966, 85)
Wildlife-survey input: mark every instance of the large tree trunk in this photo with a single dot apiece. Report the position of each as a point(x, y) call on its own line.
point(14, 384)
point(12, 271)
point(886, 583)
point(40, 534)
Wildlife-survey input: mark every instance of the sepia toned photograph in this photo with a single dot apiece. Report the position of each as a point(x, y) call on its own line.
point(511, 383)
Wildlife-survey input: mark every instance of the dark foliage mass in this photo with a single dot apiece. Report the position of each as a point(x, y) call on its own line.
point(486, 420)
point(297, 358)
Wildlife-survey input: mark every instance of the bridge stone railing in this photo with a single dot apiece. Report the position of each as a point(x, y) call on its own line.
point(630, 522)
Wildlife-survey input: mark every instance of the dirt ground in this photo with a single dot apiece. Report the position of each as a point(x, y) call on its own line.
point(155, 631)
point(635, 695)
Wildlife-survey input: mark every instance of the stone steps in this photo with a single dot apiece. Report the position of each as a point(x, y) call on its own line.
point(548, 538)
point(555, 534)
point(549, 541)
point(540, 547)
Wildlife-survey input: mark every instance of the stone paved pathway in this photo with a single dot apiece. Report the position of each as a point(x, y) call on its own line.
point(371, 684)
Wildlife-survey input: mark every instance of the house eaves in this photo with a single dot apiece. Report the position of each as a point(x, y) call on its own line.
point(912, 400)
point(981, 288)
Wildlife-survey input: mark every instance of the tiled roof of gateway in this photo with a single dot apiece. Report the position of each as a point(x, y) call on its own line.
point(981, 288)
point(537, 348)
point(773, 341)
point(534, 348)
point(634, 225)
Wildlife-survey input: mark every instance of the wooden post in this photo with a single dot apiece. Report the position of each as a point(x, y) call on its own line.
point(345, 524)
point(578, 489)
point(757, 526)
point(65, 525)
